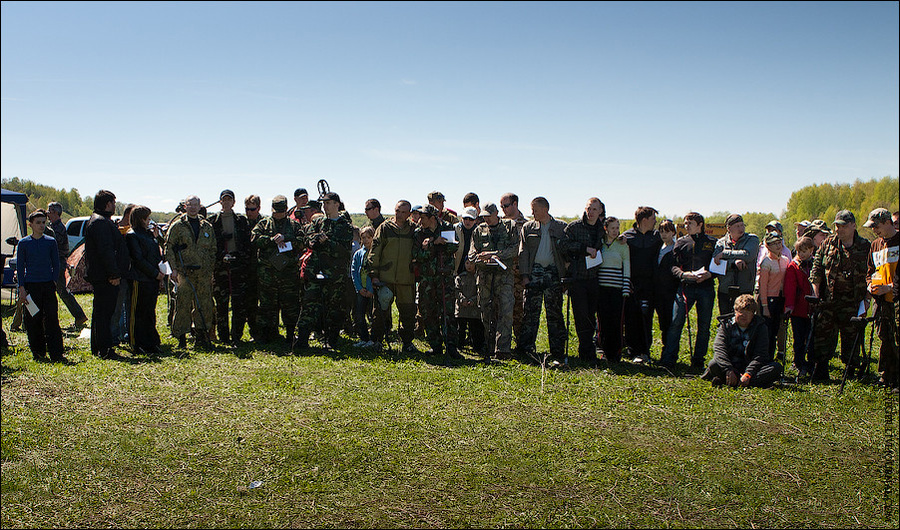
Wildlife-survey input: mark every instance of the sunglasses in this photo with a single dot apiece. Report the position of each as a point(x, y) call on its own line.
point(251, 209)
point(370, 208)
point(507, 205)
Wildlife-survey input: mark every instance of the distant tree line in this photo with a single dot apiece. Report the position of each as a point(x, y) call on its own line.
point(39, 196)
point(818, 201)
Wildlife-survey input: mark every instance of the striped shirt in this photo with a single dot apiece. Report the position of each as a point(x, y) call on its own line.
point(615, 271)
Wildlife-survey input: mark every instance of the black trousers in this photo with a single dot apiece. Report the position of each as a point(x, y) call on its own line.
point(105, 296)
point(142, 318)
point(585, 296)
point(44, 334)
point(611, 304)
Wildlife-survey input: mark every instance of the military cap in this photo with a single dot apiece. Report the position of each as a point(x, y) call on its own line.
point(470, 213)
point(844, 217)
point(226, 193)
point(430, 211)
point(776, 225)
point(279, 203)
point(299, 192)
point(773, 237)
point(417, 208)
point(817, 226)
point(435, 195)
point(489, 209)
point(878, 216)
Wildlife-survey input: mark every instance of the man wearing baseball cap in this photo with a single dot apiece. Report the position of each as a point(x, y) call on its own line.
point(495, 244)
point(740, 249)
point(280, 240)
point(882, 285)
point(468, 314)
point(298, 212)
point(436, 199)
point(232, 263)
point(838, 278)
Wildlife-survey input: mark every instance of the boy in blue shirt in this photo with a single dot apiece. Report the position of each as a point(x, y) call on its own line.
point(37, 268)
point(365, 295)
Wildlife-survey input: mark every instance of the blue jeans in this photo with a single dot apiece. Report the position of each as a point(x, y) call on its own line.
point(687, 296)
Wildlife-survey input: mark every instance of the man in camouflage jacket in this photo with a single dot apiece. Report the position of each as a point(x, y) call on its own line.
point(434, 255)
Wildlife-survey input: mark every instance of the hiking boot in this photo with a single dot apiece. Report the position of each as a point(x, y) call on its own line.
point(182, 342)
point(453, 354)
point(81, 322)
point(409, 347)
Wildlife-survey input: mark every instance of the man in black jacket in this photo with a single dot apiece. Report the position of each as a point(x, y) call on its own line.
point(104, 250)
point(693, 253)
point(232, 267)
point(741, 355)
point(643, 244)
point(583, 240)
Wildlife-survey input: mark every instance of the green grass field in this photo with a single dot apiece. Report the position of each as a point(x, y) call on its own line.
point(354, 439)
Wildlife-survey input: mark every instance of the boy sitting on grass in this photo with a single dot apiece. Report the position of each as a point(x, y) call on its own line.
point(741, 356)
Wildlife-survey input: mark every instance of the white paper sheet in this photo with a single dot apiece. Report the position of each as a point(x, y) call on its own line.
point(287, 246)
point(862, 309)
point(450, 236)
point(31, 306)
point(498, 262)
point(590, 262)
point(718, 269)
point(165, 268)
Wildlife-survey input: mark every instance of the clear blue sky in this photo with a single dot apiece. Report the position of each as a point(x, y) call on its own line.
point(681, 106)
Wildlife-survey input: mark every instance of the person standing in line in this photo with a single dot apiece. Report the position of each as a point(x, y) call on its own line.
point(104, 249)
point(643, 245)
point(191, 252)
point(58, 229)
point(666, 283)
point(232, 262)
point(390, 266)
point(739, 249)
point(433, 253)
point(583, 240)
point(772, 270)
point(614, 278)
point(509, 204)
point(145, 277)
point(542, 263)
point(37, 269)
point(365, 293)
point(280, 240)
point(838, 278)
point(495, 243)
point(252, 209)
point(881, 278)
point(468, 315)
point(693, 254)
point(796, 308)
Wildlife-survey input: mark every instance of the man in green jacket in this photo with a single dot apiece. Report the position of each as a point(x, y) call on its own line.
point(390, 267)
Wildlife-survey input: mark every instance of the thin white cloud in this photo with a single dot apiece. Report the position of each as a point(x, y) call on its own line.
point(493, 145)
point(408, 156)
point(409, 82)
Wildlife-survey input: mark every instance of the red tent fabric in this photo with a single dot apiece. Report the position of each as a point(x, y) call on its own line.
point(77, 268)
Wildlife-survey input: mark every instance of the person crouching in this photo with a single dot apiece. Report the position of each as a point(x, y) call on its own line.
point(741, 357)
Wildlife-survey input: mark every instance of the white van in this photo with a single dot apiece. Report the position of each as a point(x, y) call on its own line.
point(75, 229)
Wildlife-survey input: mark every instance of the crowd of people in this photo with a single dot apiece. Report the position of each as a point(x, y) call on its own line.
point(477, 280)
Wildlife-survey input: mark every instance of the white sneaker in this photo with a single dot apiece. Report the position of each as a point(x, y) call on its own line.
point(361, 344)
point(369, 344)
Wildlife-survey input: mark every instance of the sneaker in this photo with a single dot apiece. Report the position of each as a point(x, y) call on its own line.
point(363, 344)
point(641, 359)
point(82, 322)
point(410, 348)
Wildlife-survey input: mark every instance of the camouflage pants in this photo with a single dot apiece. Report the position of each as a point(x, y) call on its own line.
point(279, 292)
point(437, 298)
point(518, 308)
point(229, 285)
point(829, 323)
point(549, 290)
point(193, 287)
point(496, 300)
point(404, 297)
point(324, 301)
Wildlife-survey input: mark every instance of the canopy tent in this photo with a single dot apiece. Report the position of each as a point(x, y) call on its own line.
point(13, 221)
